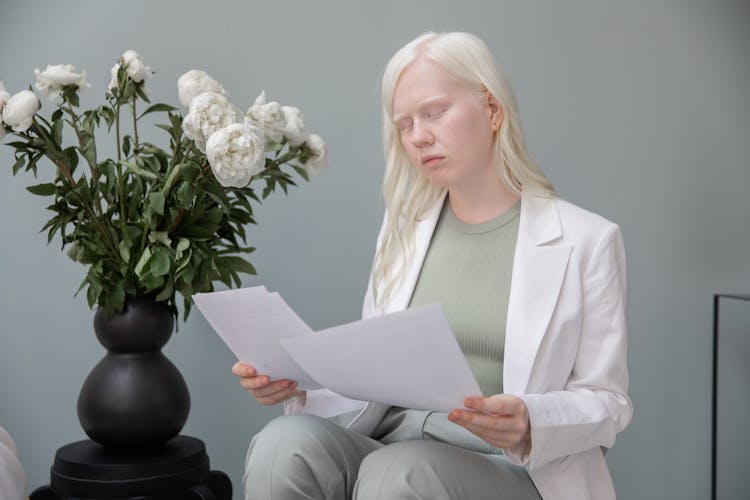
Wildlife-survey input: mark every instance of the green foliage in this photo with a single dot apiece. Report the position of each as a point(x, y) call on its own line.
point(150, 220)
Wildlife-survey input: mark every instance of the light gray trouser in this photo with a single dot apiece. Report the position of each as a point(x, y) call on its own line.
point(302, 456)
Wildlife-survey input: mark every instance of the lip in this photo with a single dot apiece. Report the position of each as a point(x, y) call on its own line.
point(430, 160)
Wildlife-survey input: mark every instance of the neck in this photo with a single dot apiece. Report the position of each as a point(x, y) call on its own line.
point(482, 202)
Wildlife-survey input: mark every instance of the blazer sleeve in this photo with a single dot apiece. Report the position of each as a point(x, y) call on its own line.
point(12, 478)
point(593, 405)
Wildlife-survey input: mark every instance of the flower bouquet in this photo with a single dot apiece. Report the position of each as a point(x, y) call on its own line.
point(155, 221)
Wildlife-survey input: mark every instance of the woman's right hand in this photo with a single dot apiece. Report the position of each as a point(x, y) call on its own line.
point(262, 388)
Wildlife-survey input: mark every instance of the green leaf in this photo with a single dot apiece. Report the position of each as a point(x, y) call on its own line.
point(157, 108)
point(182, 245)
point(156, 202)
point(126, 142)
point(235, 263)
point(167, 292)
point(88, 147)
point(57, 131)
point(70, 94)
point(47, 189)
point(139, 90)
point(75, 253)
point(197, 232)
point(128, 89)
point(160, 262)
point(124, 248)
point(190, 171)
point(185, 195)
point(160, 236)
point(140, 267)
point(139, 171)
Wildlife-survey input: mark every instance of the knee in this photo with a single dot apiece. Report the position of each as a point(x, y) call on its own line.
point(292, 454)
point(400, 470)
point(284, 435)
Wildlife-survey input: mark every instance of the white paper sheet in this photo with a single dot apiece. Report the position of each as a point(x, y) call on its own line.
point(251, 321)
point(409, 358)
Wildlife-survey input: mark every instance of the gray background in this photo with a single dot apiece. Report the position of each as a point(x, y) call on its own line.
point(637, 110)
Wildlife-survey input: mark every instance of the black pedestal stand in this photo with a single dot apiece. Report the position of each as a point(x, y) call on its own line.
point(177, 471)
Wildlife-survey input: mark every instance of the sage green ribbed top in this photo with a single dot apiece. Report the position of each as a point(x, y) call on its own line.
point(467, 270)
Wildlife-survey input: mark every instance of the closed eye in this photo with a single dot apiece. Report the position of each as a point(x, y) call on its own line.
point(436, 113)
point(404, 126)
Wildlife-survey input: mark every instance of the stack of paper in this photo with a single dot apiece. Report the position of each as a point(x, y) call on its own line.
point(409, 358)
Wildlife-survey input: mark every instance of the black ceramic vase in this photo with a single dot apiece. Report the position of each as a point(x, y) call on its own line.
point(135, 398)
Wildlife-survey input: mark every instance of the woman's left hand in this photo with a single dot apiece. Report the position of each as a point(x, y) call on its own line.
point(501, 420)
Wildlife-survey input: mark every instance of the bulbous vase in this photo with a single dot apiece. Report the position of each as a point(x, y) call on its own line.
point(135, 398)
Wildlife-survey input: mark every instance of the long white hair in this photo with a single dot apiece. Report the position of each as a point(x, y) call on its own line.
point(408, 195)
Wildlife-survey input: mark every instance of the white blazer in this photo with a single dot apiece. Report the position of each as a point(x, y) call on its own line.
point(565, 344)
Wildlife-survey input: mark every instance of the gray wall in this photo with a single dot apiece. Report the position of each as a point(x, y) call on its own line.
point(637, 110)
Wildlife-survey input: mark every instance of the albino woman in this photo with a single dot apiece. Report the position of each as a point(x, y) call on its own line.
point(532, 286)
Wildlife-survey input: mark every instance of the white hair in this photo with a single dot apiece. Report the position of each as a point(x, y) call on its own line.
point(406, 192)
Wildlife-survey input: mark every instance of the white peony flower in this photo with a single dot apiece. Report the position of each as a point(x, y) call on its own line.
point(267, 116)
point(113, 76)
point(4, 96)
point(133, 63)
point(55, 77)
point(236, 153)
point(318, 163)
point(20, 109)
point(208, 113)
point(196, 82)
point(294, 130)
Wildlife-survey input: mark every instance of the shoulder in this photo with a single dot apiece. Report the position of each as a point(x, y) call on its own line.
point(553, 217)
point(557, 221)
point(578, 219)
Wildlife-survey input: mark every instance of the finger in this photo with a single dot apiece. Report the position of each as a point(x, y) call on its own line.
point(502, 404)
point(498, 439)
point(254, 382)
point(242, 370)
point(272, 388)
point(277, 397)
point(488, 422)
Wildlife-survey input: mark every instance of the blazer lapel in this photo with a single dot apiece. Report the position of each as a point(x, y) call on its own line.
point(422, 236)
point(538, 272)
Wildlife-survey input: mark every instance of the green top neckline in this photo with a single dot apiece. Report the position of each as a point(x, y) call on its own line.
point(449, 218)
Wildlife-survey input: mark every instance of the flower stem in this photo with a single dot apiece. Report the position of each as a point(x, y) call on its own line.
point(177, 220)
point(121, 179)
point(135, 126)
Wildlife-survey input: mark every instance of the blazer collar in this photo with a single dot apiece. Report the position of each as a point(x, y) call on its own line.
point(422, 237)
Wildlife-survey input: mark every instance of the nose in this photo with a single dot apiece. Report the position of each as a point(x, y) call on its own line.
point(421, 135)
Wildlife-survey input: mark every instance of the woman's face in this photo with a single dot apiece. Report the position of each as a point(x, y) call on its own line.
point(445, 128)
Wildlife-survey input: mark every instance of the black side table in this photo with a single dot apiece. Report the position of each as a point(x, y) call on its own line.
point(715, 385)
point(178, 471)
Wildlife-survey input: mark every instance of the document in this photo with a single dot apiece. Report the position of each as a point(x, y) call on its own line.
point(408, 358)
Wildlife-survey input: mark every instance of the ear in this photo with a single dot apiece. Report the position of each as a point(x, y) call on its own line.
point(496, 111)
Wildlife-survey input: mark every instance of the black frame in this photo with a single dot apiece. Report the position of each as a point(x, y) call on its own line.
point(714, 395)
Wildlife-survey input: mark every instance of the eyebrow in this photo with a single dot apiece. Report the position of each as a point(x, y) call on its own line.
point(422, 103)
